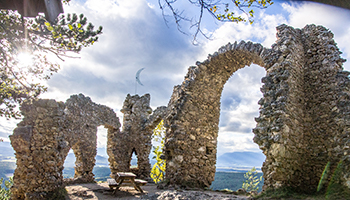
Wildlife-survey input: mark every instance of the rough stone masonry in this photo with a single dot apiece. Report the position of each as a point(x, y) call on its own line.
point(304, 121)
point(304, 112)
point(136, 136)
point(50, 129)
point(44, 137)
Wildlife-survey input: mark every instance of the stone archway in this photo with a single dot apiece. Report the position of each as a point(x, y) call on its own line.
point(84, 116)
point(301, 98)
point(194, 110)
point(44, 137)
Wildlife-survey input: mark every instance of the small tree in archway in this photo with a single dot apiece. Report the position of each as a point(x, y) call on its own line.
point(158, 169)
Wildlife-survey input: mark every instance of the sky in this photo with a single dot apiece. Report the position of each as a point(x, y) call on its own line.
point(135, 36)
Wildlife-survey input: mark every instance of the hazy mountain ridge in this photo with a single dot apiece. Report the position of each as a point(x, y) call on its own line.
point(228, 162)
point(240, 160)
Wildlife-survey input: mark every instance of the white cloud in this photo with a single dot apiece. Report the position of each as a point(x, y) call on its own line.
point(106, 71)
point(101, 9)
point(6, 128)
point(135, 36)
point(235, 142)
point(101, 137)
point(261, 31)
point(237, 117)
point(334, 18)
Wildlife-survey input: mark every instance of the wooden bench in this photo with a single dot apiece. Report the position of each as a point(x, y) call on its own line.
point(126, 179)
point(140, 182)
point(112, 183)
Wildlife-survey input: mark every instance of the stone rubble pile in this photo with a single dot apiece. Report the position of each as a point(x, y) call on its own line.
point(192, 195)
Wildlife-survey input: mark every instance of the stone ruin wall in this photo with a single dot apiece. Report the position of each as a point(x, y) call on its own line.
point(297, 127)
point(50, 129)
point(36, 141)
point(43, 139)
point(83, 117)
point(304, 112)
point(136, 136)
point(303, 122)
point(194, 110)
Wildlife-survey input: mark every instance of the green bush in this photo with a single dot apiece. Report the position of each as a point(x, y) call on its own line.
point(158, 169)
point(252, 181)
point(5, 186)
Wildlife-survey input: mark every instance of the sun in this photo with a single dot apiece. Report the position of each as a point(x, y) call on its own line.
point(25, 59)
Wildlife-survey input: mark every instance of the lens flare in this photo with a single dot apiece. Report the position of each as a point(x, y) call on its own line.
point(25, 59)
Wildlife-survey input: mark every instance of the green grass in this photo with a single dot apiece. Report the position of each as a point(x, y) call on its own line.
point(339, 193)
point(281, 193)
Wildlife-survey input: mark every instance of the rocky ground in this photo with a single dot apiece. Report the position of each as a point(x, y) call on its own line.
point(101, 191)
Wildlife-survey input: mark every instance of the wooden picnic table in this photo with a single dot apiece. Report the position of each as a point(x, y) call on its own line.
point(126, 178)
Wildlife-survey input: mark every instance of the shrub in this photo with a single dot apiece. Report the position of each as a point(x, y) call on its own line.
point(158, 169)
point(252, 180)
point(5, 186)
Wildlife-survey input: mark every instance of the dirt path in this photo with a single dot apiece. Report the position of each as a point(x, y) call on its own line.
point(101, 191)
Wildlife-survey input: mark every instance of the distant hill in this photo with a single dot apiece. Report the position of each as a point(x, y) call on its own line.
point(240, 160)
point(100, 161)
point(231, 180)
point(228, 162)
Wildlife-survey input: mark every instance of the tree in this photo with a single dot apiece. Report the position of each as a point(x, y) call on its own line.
point(26, 44)
point(158, 169)
point(5, 186)
point(252, 181)
point(223, 11)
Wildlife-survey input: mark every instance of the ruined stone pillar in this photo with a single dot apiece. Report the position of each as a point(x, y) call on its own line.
point(40, 146)
point(85, 153)
point(134, 136)
point(297, 123)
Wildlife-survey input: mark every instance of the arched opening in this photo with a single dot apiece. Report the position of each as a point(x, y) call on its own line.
point(133, 162)
point(87, 159)
point(69, 164)
point(101, 169)
point(236, 151)
point(191, 140)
